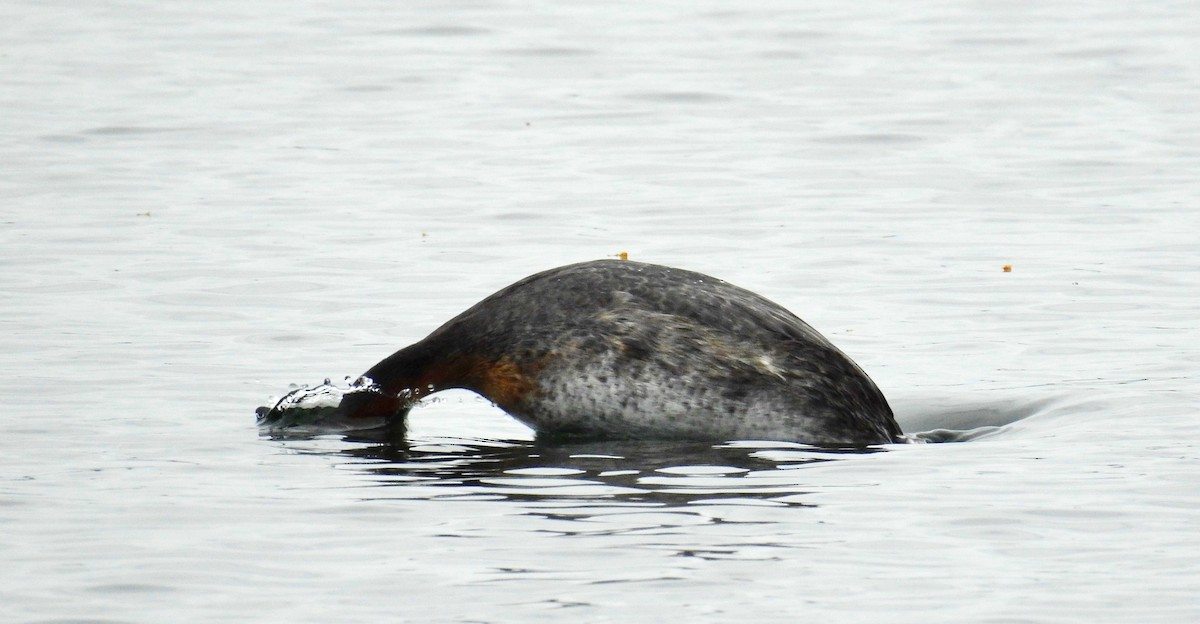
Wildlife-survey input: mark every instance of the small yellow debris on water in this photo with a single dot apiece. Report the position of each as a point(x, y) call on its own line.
point(1008, 268)
point(624, 255)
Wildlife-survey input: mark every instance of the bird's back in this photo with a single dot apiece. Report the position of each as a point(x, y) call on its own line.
point(626, 349)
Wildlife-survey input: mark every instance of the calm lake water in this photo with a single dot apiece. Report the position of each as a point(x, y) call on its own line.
point(202, 203)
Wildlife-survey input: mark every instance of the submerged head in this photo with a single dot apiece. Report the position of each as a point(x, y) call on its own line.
point(328, 408)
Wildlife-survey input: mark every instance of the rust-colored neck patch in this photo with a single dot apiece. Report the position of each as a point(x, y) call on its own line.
point(502, 380)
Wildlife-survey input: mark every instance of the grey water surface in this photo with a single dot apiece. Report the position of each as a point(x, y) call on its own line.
point(202, 203)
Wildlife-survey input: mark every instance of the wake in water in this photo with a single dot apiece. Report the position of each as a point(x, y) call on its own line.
point(950, 420)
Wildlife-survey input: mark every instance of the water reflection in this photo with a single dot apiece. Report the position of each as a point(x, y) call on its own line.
point(654, 473)
point(589, 479)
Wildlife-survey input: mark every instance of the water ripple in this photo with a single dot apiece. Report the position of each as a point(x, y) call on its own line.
point(595, 475)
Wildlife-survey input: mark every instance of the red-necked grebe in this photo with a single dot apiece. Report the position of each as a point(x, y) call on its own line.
point(621, 349)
